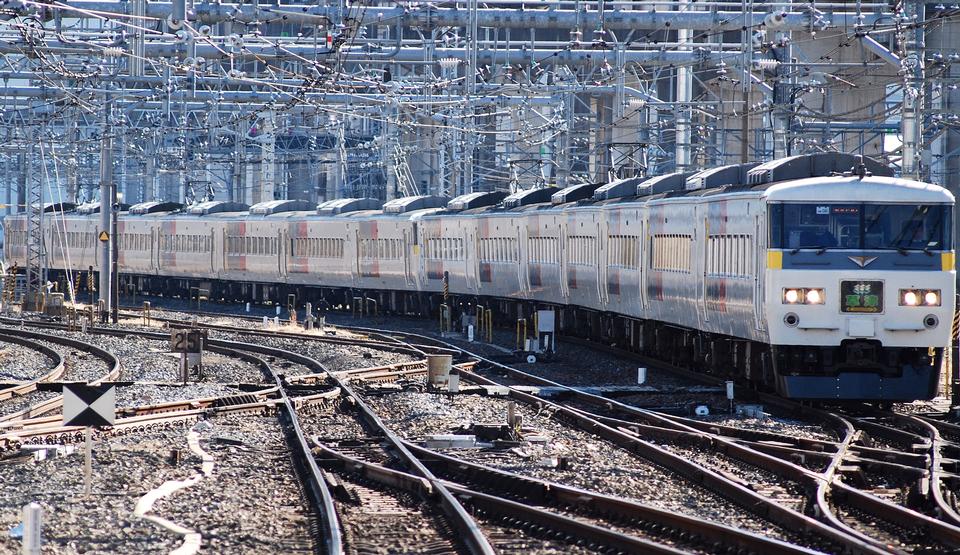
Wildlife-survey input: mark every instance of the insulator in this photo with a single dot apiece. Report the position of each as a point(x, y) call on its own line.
point(173, 24)
point(449, 63)
point(766, 64)
point(775, 20)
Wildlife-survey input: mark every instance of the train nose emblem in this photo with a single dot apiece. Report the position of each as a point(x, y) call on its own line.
point(862, 261)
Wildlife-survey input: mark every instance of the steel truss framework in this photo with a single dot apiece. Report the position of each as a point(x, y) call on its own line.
point(263, 100)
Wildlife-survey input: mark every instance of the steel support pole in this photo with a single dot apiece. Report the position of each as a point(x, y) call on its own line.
point(36, 263)
point(114, 252)
point(106, 201)
point(21, 183)
point(911, 122)
point(684, 136)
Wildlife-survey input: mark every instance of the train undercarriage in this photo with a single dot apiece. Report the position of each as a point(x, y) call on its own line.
point(854, 370)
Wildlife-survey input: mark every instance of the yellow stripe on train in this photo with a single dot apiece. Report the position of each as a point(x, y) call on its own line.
point(948, 261)
point(774, 260)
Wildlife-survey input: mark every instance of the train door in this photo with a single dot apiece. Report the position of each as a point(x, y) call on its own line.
point(564, 260)
point(469, 266)
point(213, 252)
point(419, 249)
point(523, 272)
point(355, 263)
point(759, 279)
point(477, 247)
point(407, 254)
point(704, 313)
point(642, 244)
point(225, 244)
point(282, 253)
point(152, 253)
point(602, 264)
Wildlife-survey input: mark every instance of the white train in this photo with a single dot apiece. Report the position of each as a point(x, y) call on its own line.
point(820, 276)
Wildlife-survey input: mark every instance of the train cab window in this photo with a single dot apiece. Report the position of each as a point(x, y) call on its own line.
point(860, 226)
point(821, 226)
point(898, 226)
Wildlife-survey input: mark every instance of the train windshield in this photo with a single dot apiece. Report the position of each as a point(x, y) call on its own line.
point(901, 227)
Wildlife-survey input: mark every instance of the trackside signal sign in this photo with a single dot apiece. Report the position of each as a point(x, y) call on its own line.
point(89, 405)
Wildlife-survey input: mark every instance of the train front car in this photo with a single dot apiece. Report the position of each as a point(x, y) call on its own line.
point(859, 287)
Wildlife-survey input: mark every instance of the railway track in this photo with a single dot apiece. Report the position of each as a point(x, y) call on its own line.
point(385, 342)
point(730, 487)
point(861, 519)
point(414, 369)
point(77, 365)
point(874, 522)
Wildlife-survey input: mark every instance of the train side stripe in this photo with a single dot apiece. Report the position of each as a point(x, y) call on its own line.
point(774, 260)
point(948, 261)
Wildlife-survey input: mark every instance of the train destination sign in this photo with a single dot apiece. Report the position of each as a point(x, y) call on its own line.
point(865, 297)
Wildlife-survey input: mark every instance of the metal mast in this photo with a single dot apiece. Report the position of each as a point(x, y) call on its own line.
point(36, 267)
point(106, 203)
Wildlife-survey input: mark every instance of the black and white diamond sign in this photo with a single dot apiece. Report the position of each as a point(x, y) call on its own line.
point(89, 405)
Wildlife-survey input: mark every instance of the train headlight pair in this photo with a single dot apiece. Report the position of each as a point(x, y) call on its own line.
point(810, 295)
point(919, 297)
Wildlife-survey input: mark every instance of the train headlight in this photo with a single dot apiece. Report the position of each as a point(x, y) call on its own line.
point(814, 296)
point(803, 296)
point(918, 297)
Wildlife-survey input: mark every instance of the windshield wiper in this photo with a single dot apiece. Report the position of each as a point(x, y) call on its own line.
point(904, 251)
point(819, 248)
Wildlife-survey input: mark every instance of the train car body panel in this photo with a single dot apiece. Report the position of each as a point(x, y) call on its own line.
point(824, 288)
point(860, 287)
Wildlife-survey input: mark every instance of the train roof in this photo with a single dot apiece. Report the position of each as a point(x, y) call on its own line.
point(806, 178)
point(339, 206)
point(854, 189)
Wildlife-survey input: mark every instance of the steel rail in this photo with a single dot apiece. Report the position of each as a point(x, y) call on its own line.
point(823, 484)
point(54, 373)
point(863, 500)
point(934, 466)
point(931, 463)
point(534, 490)
point(211, 404)
point(819, 483)
point(320, 494)
point(569, 527)
point(799, 456)
point(112, 361)
point(470, 531)
point(46, 406)
point(73, 434)
point(938, 478)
